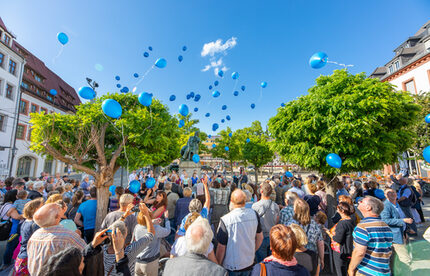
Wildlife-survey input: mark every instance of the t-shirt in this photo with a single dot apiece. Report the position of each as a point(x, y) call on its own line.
point(308, 259)
point(268, 212)
point(204, 213)
point(129, 221)
point(28, 227)
point(88, 210)
point(179, 248)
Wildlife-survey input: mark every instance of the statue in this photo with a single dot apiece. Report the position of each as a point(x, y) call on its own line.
point(191, 148)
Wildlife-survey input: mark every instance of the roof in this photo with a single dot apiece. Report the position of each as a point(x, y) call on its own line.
point(423, 28)
point(52, 80)
point(5, 29)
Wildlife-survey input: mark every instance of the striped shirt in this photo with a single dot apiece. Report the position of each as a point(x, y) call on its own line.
point(48, 241)
point(377, 236)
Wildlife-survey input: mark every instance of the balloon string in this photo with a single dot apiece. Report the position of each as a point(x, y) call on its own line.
point(125, 148)
point(235, 84)
point(144, 75)
point(340, 64)
point(59, 54)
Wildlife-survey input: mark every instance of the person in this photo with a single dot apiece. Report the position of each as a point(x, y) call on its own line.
point(114, 200)
point(283, 244)
point(74, 206)
point(181, 209)
point(243, 179)
point(341, 189)
point(322, 195)
point(50, 239)
point(66, 262)
point(305, 257)
point(160, 205)
point(125, 207)
point(369, 188)
point(28, 227)
point(21, 201)
point(238, 235)
point(147, 259)
point(372, 241)
point(312, 199)
point(220, 199)
point(268, 211)
point(36, 191)
point(172, 198)
point(131, 250)
point(302, 218)
point(296, 188)
point(198, 238)
point(418, 206)
point(393, 216)
point(406, 199)
point(85, 185)
point(132, 176)
point(341, 238)
point(88, 211)
point(68, 191)
point(356, 191)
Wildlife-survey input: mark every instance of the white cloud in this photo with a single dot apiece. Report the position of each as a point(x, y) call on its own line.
point(216, 47)
point(213, 64)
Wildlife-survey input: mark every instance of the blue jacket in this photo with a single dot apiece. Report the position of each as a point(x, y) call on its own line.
point(392, 218)
point(274, 268)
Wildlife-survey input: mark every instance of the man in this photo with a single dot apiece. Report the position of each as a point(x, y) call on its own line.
point(18, 184)
point(181, 209)
point(296, 188)
point(50, 239)
point(406, 199)
point(268, 211)
point(372, 241)
point(88, 211)
point(194, 262)
point(172, 198)
point(235, 179)
point(58, 180)
point(243, 179)
point(239, 235)
point(393, 216)
point(125, 204)
point(287, 212)
point(85, 185)
point(42, 176)
point(37, 190)
point(132, 176)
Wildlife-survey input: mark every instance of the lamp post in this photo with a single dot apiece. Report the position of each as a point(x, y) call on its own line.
point(93, 85)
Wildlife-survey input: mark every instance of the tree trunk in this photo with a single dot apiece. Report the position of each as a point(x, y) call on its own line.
point(331, 197)
point(103, 181)
point(231, 166)
point(256, 175)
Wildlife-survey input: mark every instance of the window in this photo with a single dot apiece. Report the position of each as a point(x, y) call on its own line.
point(409, 86)
point(12, 67)
point(49, 98)
point(24, 85)
point(390, 68)
point(36, 77)
point(3, 119)
point(44, 110)
point(6, 39)
point(24, 166)
point(48, 166)
point(9, 91)
point(20, 131)
point(1, 59)
point(34, 108)
point(23, 107)
point(29, 134)
point(397, 65)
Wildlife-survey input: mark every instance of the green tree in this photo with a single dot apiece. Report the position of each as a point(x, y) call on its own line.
point(363, 120)
point(98, 145)
point(233, 154)
point(422, 129)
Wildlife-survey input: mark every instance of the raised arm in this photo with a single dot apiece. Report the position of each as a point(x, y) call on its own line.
point(207, 194)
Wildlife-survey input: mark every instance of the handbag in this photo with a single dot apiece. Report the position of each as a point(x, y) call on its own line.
point(263, 269)
point(5, 226)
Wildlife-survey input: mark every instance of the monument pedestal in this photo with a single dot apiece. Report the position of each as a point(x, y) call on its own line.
point(189, 167)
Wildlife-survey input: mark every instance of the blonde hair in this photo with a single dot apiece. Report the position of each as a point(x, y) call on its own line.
point(141, 219)
point(302, 239)
point(191, 218)
point(301, 212)
point(54, 198)
point(31, 207)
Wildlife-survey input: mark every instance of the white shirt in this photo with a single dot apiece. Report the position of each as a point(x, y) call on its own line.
point(131, 177)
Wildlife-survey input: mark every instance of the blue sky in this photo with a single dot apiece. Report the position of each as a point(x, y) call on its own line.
point(268, 41)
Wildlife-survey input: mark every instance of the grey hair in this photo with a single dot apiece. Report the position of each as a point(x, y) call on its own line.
point(168, 186)
point(126, 199)
point(376, 205)
point(248, 195)
point(195, 206)
point(37, 185)
point(291, 197)
point(120, 225)
point(199, 236)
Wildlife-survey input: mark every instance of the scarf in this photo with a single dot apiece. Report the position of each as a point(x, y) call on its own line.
point(271, 258)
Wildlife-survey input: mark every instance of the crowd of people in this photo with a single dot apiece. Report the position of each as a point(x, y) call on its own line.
point(209, 224)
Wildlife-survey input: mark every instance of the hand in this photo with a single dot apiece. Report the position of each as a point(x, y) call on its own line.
point(408, 220)
point(156, 221)
point(166, 214)
point(351, 272)
point(99, 237)
point(77, 231)
point(118, 241)
point(129, 209)
point(321, 264)
point(144, 210)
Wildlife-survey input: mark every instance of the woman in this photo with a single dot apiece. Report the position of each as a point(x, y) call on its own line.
point(114, 200)
point(341, 238)
point(419, 201)
point(85, 185)
point(186, 181)
point(322, 195)
point(369, 188)
point(160, 205)
point(9, 213)
point(68, 262)
point(305, 257)
point(147, 260)
point(76, 202)
point(54, 198)
point(347, 200)
point(68, 191)
point(302, 218)
point(221, 200)
point(194, 178)
point(356, 190)
point(283, 244)
point(312, 199)
point(28, 227)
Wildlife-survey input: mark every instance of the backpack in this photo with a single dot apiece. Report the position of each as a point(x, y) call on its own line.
point(413, 197)
point(411, 200)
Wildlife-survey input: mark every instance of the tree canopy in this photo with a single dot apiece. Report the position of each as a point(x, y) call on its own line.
point(233, 154)
point(422, 129)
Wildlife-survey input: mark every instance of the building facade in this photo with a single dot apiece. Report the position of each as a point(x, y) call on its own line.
point(409, 70)
point(33, 96)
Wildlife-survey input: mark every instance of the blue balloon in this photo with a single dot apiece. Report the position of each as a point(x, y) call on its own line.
point(118, 85)
point(180, 58)
point(235, 75)
point(196, 158)
point(215, 126)
point(150, 182)
point(209, 136)
point(181, 123)
point(230, 134)
point(150, 48)
point(247, 140)
point(289, 174)
point(197, 97)
point(145, 98)
point(192, 94)
point(334, 160)
point(379, 194)
point(216, 83)
point(226, 148)
point(69, 224)
point(210, 87)
point(427, 119)
point(117, 78)
point(318, 60)
point(124, 89)
point(213, 145)
point(252, 106)
point(220, 73)
point(112, 108)
point(184, 48)
point(263, 84)
point(53, 92)
point(134, 186)
point(183, 109)
point(188, 96)
point(196, 109)
point(112, 189)
point(228, 117)
point(216, 94)
point(222, 121)
point(136, 75)
point(236, 93)
point(207, 114)
point(146, 54)
point(242, 87)
point(63, 38)
point(161, 63)
point(282, 104)
point(426, 154)
point(224, 107)
point(87, 92)
point(172, 98)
